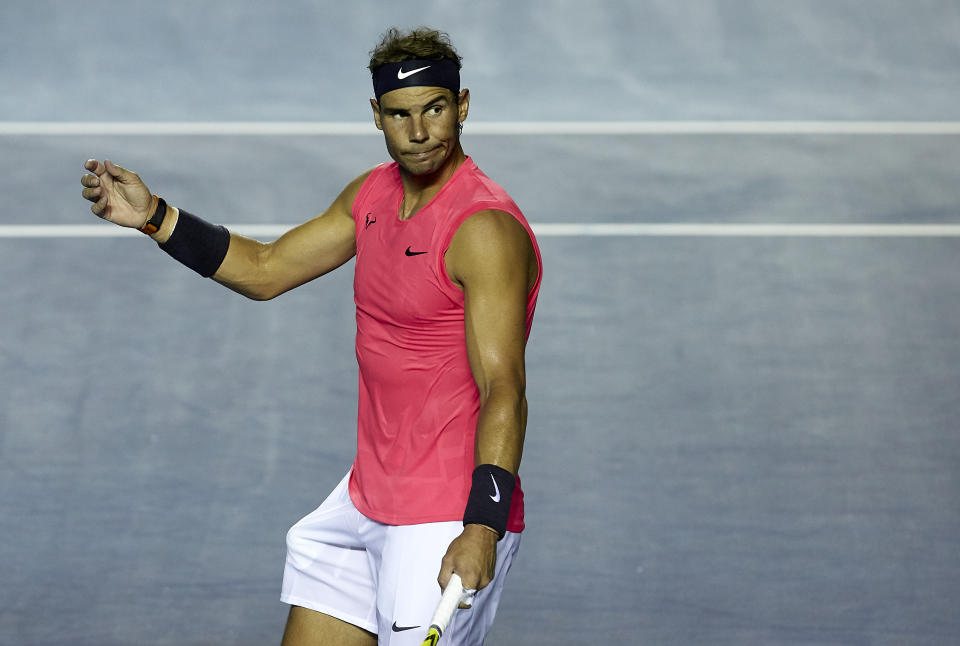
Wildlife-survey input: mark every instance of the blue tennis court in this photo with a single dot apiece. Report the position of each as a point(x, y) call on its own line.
point(736, 436)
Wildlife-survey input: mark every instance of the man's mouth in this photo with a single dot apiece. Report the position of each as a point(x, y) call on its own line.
point(420, 154)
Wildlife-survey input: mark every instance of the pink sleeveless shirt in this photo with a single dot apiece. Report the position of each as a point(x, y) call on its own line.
point(418, 402)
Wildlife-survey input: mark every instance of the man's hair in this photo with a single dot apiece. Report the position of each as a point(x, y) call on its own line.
point(421, 43)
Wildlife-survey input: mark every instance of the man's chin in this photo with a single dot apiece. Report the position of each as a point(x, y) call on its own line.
point(422, 168)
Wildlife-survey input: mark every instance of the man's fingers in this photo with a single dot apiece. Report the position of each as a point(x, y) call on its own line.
point(94, 167)
point(444, 578)
point(90, 180)
point(92, 194)
point(99, 206)
point(470, 581)
point(444, 581)
point(469, 592)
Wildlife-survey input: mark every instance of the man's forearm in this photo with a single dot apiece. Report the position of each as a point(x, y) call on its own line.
point(240, 268)
point(501, 428)
point(243, 270)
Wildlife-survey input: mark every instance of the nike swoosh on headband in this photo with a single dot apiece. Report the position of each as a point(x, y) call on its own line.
point(402, 75)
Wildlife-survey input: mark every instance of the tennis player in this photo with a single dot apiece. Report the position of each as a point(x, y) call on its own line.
point(446, 280)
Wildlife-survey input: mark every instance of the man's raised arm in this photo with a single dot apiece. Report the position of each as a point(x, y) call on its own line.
point(255, 269)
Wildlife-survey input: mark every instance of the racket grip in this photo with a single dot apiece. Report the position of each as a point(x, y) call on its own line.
point(453, 595)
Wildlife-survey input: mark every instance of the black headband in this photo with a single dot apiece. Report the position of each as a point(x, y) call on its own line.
point(417, 72)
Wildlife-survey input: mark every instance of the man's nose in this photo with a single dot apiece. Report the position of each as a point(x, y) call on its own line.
point(418, 130)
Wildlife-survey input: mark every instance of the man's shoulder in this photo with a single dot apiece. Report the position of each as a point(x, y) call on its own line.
point(478, 191)
point(381, 172)
point(476, 174)
point(491, 225)
point(362, 185)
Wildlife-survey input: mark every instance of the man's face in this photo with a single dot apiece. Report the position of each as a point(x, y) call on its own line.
point(420, 125)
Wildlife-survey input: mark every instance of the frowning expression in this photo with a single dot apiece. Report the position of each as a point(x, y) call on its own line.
point(421, 126)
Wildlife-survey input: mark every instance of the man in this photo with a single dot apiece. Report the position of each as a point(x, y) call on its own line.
point(446, 281)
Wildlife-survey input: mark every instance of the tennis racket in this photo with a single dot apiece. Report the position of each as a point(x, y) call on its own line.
point(453, 595)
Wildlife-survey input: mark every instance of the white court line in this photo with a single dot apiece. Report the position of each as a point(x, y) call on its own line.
point(557, 229)
point(750, 230)
point(307, 128)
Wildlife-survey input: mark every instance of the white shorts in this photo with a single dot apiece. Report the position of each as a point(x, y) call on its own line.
point(383, 578)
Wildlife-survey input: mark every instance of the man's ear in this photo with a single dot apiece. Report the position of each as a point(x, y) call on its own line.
point(463, 105)
point(376, 113)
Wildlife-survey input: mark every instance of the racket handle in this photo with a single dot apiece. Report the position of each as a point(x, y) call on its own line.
point(453, 595)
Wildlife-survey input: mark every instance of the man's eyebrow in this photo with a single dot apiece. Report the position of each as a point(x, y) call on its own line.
point(440, 98)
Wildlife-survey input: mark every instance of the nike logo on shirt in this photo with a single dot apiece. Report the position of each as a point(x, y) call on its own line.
point(413, 253)
point(400, 629)
point(402, 75)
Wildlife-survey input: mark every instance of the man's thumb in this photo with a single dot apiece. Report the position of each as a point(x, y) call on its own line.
point(120, 174)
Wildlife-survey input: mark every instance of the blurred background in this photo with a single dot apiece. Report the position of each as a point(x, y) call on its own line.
point(732, 439)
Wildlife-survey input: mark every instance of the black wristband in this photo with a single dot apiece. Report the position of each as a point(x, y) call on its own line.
point(199, 245)
point(490, 496)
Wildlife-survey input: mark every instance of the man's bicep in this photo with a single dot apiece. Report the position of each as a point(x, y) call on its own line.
point(314, 247)
point(489, 260)
point(322, 243)
point(303, 253)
